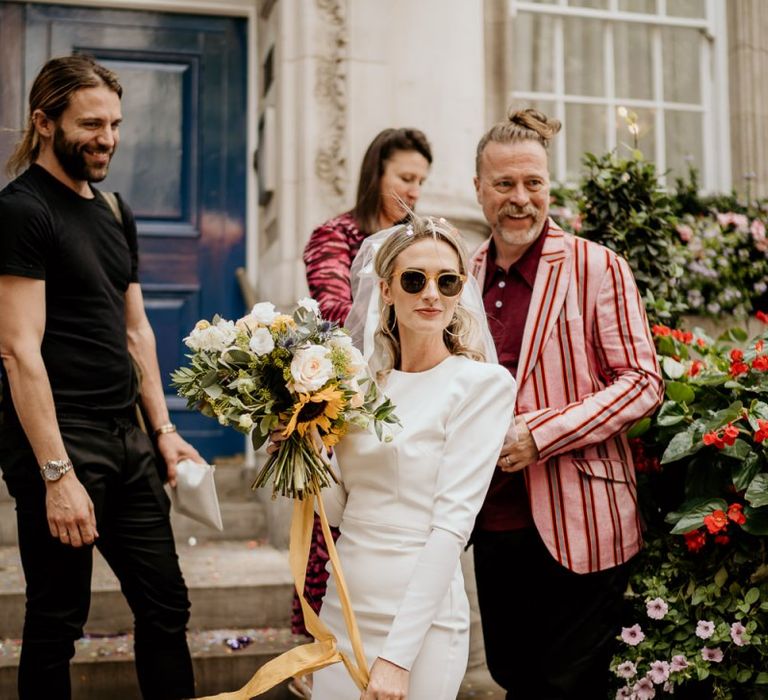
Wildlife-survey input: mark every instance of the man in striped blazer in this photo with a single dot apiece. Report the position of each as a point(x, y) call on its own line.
point(560, 521)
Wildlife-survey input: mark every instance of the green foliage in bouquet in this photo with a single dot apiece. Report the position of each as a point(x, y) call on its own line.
point(299, 373)
point(699, 592)
point(623, 207)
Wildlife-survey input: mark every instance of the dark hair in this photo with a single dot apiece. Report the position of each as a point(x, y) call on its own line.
point(520, 125)
point(368, 203)
point(51, 93)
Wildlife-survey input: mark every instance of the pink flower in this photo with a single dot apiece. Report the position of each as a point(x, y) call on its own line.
point(644, 689)
point(737, 634)
point(626, 669)
point(632, 635)
point(657, 608)
point(715, 655)
point(622, 693)
point(659, 672)
point(705, 629)
point(679, 663)
point(757, 229)
point(685, 232)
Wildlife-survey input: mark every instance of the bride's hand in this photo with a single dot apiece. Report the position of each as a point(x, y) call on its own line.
point(275, 438)
point(388, 682)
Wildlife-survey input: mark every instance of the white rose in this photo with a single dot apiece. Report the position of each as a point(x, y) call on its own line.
point(211, 338)
point(356, 364)
point(339, 339)
point(264, 312)
point(311, 368)
point(310, 305)
point(261, 342)
point(247, 323)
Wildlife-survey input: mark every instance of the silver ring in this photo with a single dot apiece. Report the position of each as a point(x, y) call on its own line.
point(507, 460)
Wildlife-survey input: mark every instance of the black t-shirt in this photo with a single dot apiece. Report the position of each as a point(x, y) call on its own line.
point(87, 259)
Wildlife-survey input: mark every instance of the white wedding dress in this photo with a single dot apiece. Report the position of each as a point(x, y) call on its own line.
point(406, 509)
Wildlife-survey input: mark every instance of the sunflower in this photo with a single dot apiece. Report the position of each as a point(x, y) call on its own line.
point(319, 409)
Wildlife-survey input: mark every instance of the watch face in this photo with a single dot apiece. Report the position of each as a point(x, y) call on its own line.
point(52, 472)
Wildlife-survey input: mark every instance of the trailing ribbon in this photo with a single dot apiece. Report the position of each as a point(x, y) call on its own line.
point(323, 651)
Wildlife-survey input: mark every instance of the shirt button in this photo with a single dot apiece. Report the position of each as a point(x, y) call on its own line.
point(499, 304)
point(502, 284)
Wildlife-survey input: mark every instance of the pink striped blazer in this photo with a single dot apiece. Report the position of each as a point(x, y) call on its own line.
point(587, 372)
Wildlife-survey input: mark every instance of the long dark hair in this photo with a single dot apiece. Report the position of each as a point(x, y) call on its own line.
point(368, 203)
point(51, 93)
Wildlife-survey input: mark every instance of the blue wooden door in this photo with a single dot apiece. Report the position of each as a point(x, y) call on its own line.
point(180, 164)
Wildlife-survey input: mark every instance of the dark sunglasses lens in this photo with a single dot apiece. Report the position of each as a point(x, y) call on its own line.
point(412, 281)
point(449, 285)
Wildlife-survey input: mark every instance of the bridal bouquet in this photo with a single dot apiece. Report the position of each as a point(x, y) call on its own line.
point(270, 369)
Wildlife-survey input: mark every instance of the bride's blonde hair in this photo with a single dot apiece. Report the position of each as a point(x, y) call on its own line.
point(462, 327)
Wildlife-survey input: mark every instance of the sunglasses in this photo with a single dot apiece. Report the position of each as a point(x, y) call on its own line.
point(449, 284)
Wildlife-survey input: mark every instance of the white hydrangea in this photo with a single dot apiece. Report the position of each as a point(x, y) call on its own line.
point(211, 338)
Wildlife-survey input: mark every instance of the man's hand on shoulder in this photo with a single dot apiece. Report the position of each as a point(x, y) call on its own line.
point(519, 451)
point(69, 508)
point(174, 448)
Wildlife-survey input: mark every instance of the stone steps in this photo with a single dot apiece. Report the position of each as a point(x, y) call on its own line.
point(103, 667)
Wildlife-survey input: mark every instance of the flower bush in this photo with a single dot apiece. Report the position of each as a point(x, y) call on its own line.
point(699, 592)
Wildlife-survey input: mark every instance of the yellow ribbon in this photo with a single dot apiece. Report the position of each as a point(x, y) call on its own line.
point(323, 651)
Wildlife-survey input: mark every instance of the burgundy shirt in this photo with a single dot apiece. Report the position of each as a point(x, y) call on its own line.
point(507, 296)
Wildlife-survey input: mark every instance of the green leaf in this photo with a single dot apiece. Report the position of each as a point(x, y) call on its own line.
point(640, 428)
point(740, 449)
point(214, 391)
point(757, 521)
point(672, 368)
point(670, 414)
point(744, 675)
point(762, 678)
point(680, 446)
point(753, 595)
point(691, 514)
point(757, 492)
point(258, 439)
point(721, 577)
point(235, 356)
point(680, 392)
point(744, 471)
point(734, 335)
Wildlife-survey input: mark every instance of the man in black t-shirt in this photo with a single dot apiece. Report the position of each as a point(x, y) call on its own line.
point(73, 324)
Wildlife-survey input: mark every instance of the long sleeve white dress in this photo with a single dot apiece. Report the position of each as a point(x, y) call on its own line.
point(405, 509)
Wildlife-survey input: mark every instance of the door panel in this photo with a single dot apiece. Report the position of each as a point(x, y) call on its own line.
point(180, 164)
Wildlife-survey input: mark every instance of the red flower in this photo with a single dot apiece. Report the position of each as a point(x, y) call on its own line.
point(762, 430)
point(717, 520)
point(683, 336)
point(739, 368)
point(736, 513)
point(661, 330)
point(695, 368)
point(730, 434)
point(722, 539)
point(713, 438)
point(759, 345)
point(701, 342)
point(695, 540)
point(736, 355)
point(762, 316)
point(760, 363)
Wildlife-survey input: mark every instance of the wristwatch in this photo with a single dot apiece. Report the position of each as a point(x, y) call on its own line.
point(54, 469)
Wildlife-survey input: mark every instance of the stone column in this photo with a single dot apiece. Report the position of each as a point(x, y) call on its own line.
point(748, 68)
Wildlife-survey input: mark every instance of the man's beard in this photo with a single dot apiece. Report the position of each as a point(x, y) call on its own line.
point(71, 157)
point(517, 237)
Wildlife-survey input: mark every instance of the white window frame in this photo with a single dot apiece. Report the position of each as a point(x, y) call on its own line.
point(715, 174)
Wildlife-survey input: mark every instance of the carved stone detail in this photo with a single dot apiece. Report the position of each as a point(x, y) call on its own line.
point(331, 93)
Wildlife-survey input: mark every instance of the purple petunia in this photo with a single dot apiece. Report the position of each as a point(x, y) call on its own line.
point(657, 608)
point(705, 629)
point(659, 672)
point(737, 634)
point(715, 655)
point(679, 663)
point(626, 670)
point(644, 689)
point(632, 635)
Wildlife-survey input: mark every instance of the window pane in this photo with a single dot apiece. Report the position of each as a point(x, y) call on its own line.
point(645, 6)
point(687, 8)
point(585, 132)
point(533, 61)
point(597, 4)
point(584, 57)
point(680, 56)
point(646, 137)
point(633, 61)
point(684, 141)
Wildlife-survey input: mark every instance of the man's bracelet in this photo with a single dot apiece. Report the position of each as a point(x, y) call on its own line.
point(164, 429)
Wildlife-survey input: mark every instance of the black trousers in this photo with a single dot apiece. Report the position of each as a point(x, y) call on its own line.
point(115, 462)
point(549, 633)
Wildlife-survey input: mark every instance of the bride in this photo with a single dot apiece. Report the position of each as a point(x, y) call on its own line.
point(406, 507)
